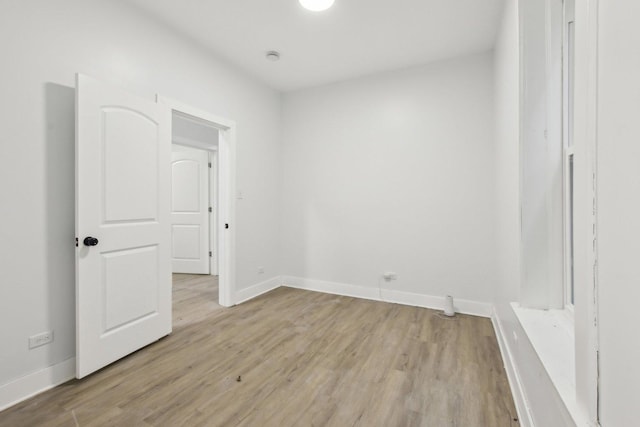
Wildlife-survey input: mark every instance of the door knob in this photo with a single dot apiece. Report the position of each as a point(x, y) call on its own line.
point(90, 241)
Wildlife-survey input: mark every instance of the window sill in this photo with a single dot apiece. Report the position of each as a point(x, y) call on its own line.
point(551, 333)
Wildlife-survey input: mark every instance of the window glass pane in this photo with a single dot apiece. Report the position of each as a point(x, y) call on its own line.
point(570, 231)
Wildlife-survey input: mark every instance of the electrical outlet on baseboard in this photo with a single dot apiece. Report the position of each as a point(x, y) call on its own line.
point(40, 339)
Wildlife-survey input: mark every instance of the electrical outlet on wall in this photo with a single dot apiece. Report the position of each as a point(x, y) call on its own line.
point(389, 276)
point(40, 339)
point(260, 270)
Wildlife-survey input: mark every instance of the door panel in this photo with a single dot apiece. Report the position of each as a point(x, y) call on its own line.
point(131, 189)
point(130, 286)
point(123, 284)
point(186, 242)
point(185, 180)
point(190, 211)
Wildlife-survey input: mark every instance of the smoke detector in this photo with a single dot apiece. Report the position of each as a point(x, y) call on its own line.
point(273, 56)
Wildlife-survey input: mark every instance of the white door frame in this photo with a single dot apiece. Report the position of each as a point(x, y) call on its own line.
point(226, 188)
point(213, 218)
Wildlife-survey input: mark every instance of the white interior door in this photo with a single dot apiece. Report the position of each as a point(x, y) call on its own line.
point(123, 270)
point(190, 211)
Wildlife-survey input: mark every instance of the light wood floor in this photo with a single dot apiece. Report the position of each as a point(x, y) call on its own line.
point(292, 358)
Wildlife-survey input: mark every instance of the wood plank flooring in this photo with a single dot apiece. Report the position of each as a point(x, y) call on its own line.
point(292, 358)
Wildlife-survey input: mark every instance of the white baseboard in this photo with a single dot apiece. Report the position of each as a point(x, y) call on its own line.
point(253, 291)
point(517, 391)
point(388, 295)
point(331, 288)
point(474, 308)
point(35, 383)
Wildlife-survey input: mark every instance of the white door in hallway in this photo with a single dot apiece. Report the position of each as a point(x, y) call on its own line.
point(123, 254)
point(190, 211)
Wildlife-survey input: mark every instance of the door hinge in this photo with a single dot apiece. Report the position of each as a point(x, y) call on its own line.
point(76, 242)
point(210, 209)
point(209, 164)
point(210, 254)
point(226, 226)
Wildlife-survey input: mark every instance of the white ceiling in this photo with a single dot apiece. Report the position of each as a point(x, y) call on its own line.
point(353, 38)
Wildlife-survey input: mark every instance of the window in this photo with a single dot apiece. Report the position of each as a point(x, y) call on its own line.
point(568, 148)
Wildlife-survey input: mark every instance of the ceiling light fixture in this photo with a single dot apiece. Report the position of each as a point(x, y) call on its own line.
point(316, 5)
point(273, 56)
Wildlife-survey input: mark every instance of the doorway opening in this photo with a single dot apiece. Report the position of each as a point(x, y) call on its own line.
point(194, 207)
point(202, 209)
point(193, 197)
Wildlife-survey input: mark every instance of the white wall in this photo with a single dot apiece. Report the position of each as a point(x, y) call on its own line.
point(394, 172)
point(618, 211)
point(44, 44)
